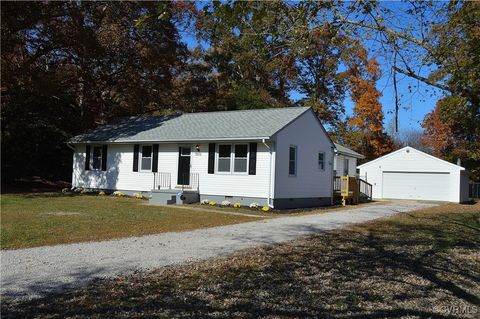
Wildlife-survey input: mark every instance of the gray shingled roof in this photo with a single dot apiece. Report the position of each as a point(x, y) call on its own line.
point(248, 124)
point(346, 151)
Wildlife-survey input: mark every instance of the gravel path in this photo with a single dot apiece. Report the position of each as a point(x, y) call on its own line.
point(33, 272)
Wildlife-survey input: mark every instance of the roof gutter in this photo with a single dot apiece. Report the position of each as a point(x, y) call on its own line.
point(260, 138)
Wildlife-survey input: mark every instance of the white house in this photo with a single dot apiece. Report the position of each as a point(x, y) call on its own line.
point(345, 161)
point(411, 174)
point(279, 157)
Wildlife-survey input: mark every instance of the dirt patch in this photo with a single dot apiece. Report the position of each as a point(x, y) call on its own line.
point(62, 213)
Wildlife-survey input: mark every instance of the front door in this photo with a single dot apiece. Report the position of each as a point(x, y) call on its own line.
point(183, 165)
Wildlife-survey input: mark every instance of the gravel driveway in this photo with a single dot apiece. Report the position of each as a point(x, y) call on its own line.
point(33, 272)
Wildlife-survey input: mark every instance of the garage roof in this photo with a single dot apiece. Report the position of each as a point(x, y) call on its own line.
point(411, 149)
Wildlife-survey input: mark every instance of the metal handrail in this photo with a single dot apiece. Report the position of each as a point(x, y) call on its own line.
point(193, 181)
point(162, 180)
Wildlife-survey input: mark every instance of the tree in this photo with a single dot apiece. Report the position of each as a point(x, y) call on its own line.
point(367, 134)
point(66, 66)
point(437, 136)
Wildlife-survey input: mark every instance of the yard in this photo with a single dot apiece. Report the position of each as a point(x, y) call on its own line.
point(420, 264)
point(30, 220)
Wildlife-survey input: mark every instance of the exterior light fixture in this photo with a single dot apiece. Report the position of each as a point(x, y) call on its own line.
point(197, 147)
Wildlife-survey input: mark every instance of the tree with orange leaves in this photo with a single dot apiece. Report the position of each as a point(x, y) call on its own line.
point(367, 134)
point(437, 136)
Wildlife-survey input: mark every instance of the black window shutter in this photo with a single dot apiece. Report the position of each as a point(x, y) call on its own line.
point(211, 158)
point(104, 157)
point(252, 166)
point(136, 149)
point(155, 158)
point(87, 158)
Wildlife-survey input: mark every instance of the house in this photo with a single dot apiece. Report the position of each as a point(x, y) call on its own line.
point(279, 157)
point(411, 174)
point(345, 161)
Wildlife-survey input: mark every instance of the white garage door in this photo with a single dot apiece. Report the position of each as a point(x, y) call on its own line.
point(414, 185)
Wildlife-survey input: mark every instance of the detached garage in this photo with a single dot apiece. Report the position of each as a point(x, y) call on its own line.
point(411, 174)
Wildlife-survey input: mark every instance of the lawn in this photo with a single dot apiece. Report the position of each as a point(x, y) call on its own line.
point(29, 220)
point(424, 264)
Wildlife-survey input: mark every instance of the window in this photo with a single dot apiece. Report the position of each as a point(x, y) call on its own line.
point(292, 160)
point(97, 157)
point(240, 158)
point(345, 167)
point(146, 164)
point(224, 156)
point(321, 160)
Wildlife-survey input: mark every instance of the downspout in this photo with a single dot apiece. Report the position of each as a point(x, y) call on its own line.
point(269, 174)
point(334, 152)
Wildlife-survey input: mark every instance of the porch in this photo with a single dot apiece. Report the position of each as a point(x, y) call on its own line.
point(364, 189)
point(185, 191)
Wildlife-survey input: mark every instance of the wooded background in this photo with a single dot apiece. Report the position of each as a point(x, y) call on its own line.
point(69, 66)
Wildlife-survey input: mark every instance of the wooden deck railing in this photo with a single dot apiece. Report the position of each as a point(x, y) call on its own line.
point(364, 187)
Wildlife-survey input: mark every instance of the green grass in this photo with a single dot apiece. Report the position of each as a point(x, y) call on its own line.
point(30, 220)
point(424, 264)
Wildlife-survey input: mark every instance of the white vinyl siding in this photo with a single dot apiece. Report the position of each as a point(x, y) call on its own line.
point(309, 181)
point(120, 175)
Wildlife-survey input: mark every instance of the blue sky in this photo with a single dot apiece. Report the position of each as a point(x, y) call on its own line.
point(416, 99)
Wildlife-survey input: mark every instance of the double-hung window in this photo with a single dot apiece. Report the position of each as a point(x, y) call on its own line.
point(224, 158)
point(97, 157)
point(240, 158)
point(232, 158)
point(292, 161)
point(146, 162)
point(321, 160)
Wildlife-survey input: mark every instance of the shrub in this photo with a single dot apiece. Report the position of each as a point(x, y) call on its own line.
point(226, 203)
point(139, 196)
point(254, 205)
point(205, 202)
point(101, 193)
point(265, 208)
point(212, 203)
point(66, 190)
point(118, 194)
point(237, 205)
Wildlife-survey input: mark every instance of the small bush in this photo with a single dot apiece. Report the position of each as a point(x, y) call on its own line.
point(237, 205)
point(205, 202)
point(254, 205)
point(226, 203)
point(212, 203)
point(139, 196)
point(265, 208)
point(101, 193)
